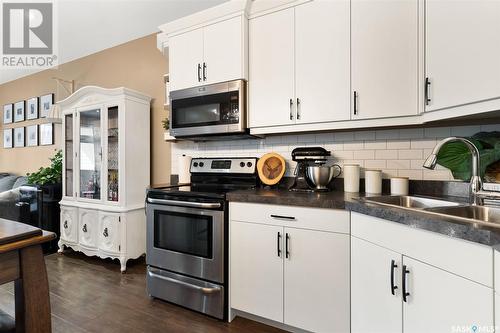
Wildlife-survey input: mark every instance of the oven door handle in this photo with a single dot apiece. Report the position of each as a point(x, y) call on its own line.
point(184, 203)
point(186, 284)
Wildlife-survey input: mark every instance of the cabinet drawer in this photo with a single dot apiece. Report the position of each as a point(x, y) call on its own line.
point(333, 220)
point(69, 224)
point(88, 225)
point(470, 260)
point(109, 232)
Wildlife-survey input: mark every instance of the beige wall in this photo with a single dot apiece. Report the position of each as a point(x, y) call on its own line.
point(137, 65)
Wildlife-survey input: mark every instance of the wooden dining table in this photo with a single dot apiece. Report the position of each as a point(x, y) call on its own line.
point(21, 261)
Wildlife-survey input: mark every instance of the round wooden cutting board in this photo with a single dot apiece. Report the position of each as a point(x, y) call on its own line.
point(271, 168)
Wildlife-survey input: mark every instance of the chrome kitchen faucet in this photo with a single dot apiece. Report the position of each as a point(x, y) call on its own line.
point(477, 194)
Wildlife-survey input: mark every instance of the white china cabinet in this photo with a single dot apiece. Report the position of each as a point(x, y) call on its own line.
point(105, 172)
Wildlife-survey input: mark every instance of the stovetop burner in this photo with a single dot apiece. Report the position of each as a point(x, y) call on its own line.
point(212, 178)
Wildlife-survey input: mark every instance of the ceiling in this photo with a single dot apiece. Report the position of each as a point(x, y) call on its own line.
point(89, 26)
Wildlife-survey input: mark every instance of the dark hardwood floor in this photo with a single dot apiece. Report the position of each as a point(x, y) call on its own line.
point(90, 295)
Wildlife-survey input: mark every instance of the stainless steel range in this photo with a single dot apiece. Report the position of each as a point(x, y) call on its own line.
point(187, 232)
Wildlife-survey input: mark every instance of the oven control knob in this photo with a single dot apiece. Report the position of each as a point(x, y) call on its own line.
point(249, 164)
point(242, 164)
point(202, 164)
point(195, 164)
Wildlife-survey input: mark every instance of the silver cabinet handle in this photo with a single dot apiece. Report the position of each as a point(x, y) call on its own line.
point(186, 284)
point(291, 109)
point(298, 109)
point(184, 203)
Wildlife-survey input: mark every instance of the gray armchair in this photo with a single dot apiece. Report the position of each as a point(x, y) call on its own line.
point(11, 206)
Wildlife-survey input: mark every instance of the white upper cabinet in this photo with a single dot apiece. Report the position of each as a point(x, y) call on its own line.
point(299, 65)
point(271, 69)
point(185, 59)
point(322, 58)
point(384, 46)
point(211, 54)
point(462, 52)
point(223, 51)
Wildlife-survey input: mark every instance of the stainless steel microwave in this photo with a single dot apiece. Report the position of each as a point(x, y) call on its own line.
point(215, 109)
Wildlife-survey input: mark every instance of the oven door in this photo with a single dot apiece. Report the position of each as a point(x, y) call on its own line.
point(211, 109)
point(186, 240)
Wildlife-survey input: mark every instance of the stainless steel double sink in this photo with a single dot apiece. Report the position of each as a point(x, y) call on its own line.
point(480, 216)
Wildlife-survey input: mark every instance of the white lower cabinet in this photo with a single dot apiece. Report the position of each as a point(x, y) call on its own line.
point(427, 298)
point(374, 307)
point(316, 280)
point(440, 301)
point(102, 233)
point(283, 271)
point(88, 227)
point(69, 224)
point(257, 270)
point(109, 232)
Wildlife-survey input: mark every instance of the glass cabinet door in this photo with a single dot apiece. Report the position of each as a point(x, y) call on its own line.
point(113, 153)
point(90, 154)
point(68, 155)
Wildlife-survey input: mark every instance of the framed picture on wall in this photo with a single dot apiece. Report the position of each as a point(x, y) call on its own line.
point(32, 136)
point(32, 108)
point(19, 111)
point(46, 134)
point(7, 138)
point(46, 102)
point(7, 113)
point(19, 137)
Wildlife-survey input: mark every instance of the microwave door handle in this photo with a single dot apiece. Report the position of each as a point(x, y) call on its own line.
point(184, 203)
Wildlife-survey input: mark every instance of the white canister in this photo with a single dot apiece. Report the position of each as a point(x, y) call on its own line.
point(184, 169)
point(373, 181)
point(399, 186)
point(351, 178)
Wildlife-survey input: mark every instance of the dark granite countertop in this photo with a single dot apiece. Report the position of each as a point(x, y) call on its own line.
point(342, 200)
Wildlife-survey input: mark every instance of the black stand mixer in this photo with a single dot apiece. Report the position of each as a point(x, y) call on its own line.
point(305, 157)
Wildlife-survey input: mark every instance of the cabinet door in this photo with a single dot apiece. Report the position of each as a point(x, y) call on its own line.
point(322, 61)
point(373, 306)
point(109, 232)
point(88, 228)
point(440, 301)
point(317, 280)
point(68, 161)
point(185, 59)
point(384, 58)
point(69, 224)
point(256, 269)
point(271, 69)
point(223, 51)
point(90, 154)
point(462, 52)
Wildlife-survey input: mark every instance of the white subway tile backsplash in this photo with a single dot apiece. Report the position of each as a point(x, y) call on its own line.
point(397, 152)
point(387, 134)
point(409, 154)
point(465, 130)
point(355, 145)
point(437, 132)
point(364, 154)
point(411, 133)
point(364, 135)
point(375, 164)
point(388, 154)
point(376, 144)
point(343, 136)
point(398, 144)
point(421, 144)
point(398, 164)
